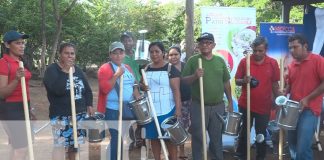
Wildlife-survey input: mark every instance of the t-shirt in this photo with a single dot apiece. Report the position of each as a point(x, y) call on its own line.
point(57, 85)
point(266, 73)
point(134, 65)
point(112, 101)
point(6, 63)
point(304, 77)
point(215, 75)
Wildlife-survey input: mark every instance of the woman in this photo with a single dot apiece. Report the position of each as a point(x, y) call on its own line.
point(109, 80)
point(57, 84)
point(162, 77)
point(174, 58)
point(10, 91)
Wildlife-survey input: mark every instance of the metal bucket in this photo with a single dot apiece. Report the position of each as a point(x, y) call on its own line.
point(141, 110)
point(288, 115)
point(174, 129)
point(232, 123)
point(142, 55)
point(95, 126)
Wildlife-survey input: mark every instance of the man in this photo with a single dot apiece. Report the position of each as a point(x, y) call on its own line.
point(127, 39)
point(265, 76)
point(135, 131)
point(216, 81)
point(306, 86)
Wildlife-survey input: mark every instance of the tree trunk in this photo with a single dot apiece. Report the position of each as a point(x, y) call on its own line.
point(43, 52)
point(56, 40)
point(189, 28)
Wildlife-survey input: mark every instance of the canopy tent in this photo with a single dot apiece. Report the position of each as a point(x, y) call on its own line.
point(288, 3)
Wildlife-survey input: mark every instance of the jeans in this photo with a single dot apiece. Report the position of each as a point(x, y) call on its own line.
point(300, 140)
point(213, 126)
point(261, 123)
point(111, 117)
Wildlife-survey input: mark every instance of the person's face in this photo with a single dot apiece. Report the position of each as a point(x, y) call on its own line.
point(16, 47)
point(156, 54)
point(259, 52)
point(174, 56)
point(297, 50)
point(67, 56)
point(128, 43)
point(117, 56)
point(206, 46)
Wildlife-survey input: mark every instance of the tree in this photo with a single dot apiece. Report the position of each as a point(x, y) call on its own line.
point(59, 22)
point(43, 30)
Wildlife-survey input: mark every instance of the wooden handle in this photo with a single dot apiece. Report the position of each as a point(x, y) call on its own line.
point(202, 106)
point(121, 84)
point(281, 132)
point(248, 90)
point(157, 125)
point(74, 124)
point(26, 109)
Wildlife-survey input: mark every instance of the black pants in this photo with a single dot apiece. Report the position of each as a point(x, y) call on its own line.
point(261, 123)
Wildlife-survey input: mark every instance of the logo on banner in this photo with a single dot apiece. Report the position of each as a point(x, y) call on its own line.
point(282, 29)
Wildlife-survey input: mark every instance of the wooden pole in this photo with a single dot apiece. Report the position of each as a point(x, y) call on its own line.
point(165, 152)
point(281, 131)
point(26, 109)
point(202, 106)
point(120, 117)
point(75, 133)
point(248, 89)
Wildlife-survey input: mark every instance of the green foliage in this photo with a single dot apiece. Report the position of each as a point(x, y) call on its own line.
point(93, 24)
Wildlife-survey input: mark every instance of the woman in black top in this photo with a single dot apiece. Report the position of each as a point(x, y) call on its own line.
point(57, 84)
point(174, 58)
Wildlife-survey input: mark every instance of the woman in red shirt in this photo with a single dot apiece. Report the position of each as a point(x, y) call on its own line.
point(11, 107)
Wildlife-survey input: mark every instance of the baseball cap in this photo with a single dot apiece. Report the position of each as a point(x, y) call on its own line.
point(126, 34)
point(116, 45)
point(14, 35)
point(207, 36)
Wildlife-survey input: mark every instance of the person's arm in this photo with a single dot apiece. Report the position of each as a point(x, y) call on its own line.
point(107, 78)
point(228, 93)
point(175, 86)
point(7, 89)
point(316, 92)
point(192, 78)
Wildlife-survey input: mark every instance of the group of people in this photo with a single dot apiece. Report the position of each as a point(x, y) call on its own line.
point(175, 90)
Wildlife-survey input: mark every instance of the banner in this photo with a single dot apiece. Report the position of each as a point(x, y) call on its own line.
point(234, 29)
point(277, 35)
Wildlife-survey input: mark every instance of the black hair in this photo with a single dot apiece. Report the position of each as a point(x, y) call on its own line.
point(259, 41)
point(299, 37)
point(66, 44)
point(176, 48)
point(158, 44)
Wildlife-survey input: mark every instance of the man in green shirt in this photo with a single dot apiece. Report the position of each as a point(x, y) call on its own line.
point(127, 39)
point(216, 80)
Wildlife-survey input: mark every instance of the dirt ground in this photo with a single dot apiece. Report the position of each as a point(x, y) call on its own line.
point(96, 151)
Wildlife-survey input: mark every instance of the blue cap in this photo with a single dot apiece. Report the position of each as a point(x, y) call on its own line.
point(14, 35)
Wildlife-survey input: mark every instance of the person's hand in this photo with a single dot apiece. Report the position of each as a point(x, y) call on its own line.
point(20, 73)
point(119, 71)
point(145, 87)
point(199, 72)
point(247, 79)
point(304, 102)
point(90, 110)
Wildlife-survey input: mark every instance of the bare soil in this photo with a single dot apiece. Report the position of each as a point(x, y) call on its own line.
point(94, 151)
